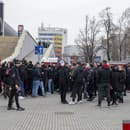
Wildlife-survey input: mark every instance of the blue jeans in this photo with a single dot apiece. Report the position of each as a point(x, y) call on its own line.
point(36, 85)
point(50, 85)
point(21, 84)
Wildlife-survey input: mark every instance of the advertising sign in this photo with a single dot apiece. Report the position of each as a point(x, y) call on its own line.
point(38, 50)
point(58, 45)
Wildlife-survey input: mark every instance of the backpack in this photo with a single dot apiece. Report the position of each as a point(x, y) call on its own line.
point(106, 75)
point(7, 72)
point(50, 73)
point(91, 75)
point(80, 75)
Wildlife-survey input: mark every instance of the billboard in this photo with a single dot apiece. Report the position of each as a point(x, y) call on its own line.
point(1, 18)
point(38, 50)
point(58, 45)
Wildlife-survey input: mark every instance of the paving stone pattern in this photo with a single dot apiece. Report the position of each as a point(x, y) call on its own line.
point(47, 113)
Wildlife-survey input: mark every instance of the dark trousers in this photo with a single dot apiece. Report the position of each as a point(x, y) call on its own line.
point(63, 90)
point(95, 89)
point(120, 96)
point(114, 95)
point(90, 90)
point(77, 89)
point(28, 88)
point(13, 93)
point(103, 88)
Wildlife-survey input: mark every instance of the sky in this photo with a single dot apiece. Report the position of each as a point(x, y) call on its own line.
point(69, 14)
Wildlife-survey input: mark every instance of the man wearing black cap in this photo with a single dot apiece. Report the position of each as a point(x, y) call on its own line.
point(14, 90)
point(104, 78)
point(63, 79)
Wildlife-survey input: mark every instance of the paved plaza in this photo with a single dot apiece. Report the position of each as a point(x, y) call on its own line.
point(47, 113)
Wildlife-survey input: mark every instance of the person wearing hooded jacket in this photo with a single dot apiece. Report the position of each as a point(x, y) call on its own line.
point(118, 82)
point(78, 77)
point(63, 79)
point(14, 89)
point(104, 82)
point(90, 79)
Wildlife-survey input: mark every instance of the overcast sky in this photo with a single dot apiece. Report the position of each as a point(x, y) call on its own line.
point(69, 14)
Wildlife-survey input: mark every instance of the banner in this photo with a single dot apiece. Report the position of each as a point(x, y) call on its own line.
point(58, 45)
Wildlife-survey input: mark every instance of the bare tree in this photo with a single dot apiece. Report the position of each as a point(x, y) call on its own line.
point(81, 43)
point(114, 47)
point(94, 30)
point(87, 38)
point(107, 24)
point(121, 31)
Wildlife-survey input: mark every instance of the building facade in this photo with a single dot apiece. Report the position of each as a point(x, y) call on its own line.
point(56, 36)
point(1, 18)
point(72, 54)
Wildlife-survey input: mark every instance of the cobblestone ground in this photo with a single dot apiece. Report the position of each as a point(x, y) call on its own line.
point(49, 114)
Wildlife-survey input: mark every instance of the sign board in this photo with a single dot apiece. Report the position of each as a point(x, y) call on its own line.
point(58, 45)
point(50, 60)
point(38, 50)
point(97, 59)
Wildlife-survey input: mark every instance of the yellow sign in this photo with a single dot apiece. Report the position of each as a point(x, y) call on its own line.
point(58, 45)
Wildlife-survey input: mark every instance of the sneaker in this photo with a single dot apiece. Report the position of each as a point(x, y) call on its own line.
point(85, 97)
point(21, 97)
point(79, 102)
point(20, 109)
point(90, 99)
point(72, 103)
point(113, 103)
point(65, 102)
point(108, 104)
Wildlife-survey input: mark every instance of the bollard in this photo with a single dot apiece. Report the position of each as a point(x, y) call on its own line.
point(126, 125)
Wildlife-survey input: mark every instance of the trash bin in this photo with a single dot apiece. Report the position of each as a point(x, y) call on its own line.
point(126, 125)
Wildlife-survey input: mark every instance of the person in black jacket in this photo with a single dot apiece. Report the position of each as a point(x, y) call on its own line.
point(29, 78)
point(1, 78)
point(63, 79)
point(118, 82)
point(104, 83)
point(50, 77)
point(128, 77)
point(14, 89)
point(122, 80)
point(37, 80)
point(90, 80)
point(78, 77)
point(6, 79)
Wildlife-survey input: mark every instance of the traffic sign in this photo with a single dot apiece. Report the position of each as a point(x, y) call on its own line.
point(38, 50)
point(97, 58)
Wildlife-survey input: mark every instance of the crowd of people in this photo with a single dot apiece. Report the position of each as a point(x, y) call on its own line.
point(19, 79)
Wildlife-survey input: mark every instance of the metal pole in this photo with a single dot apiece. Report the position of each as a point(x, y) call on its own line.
point(3, 22)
